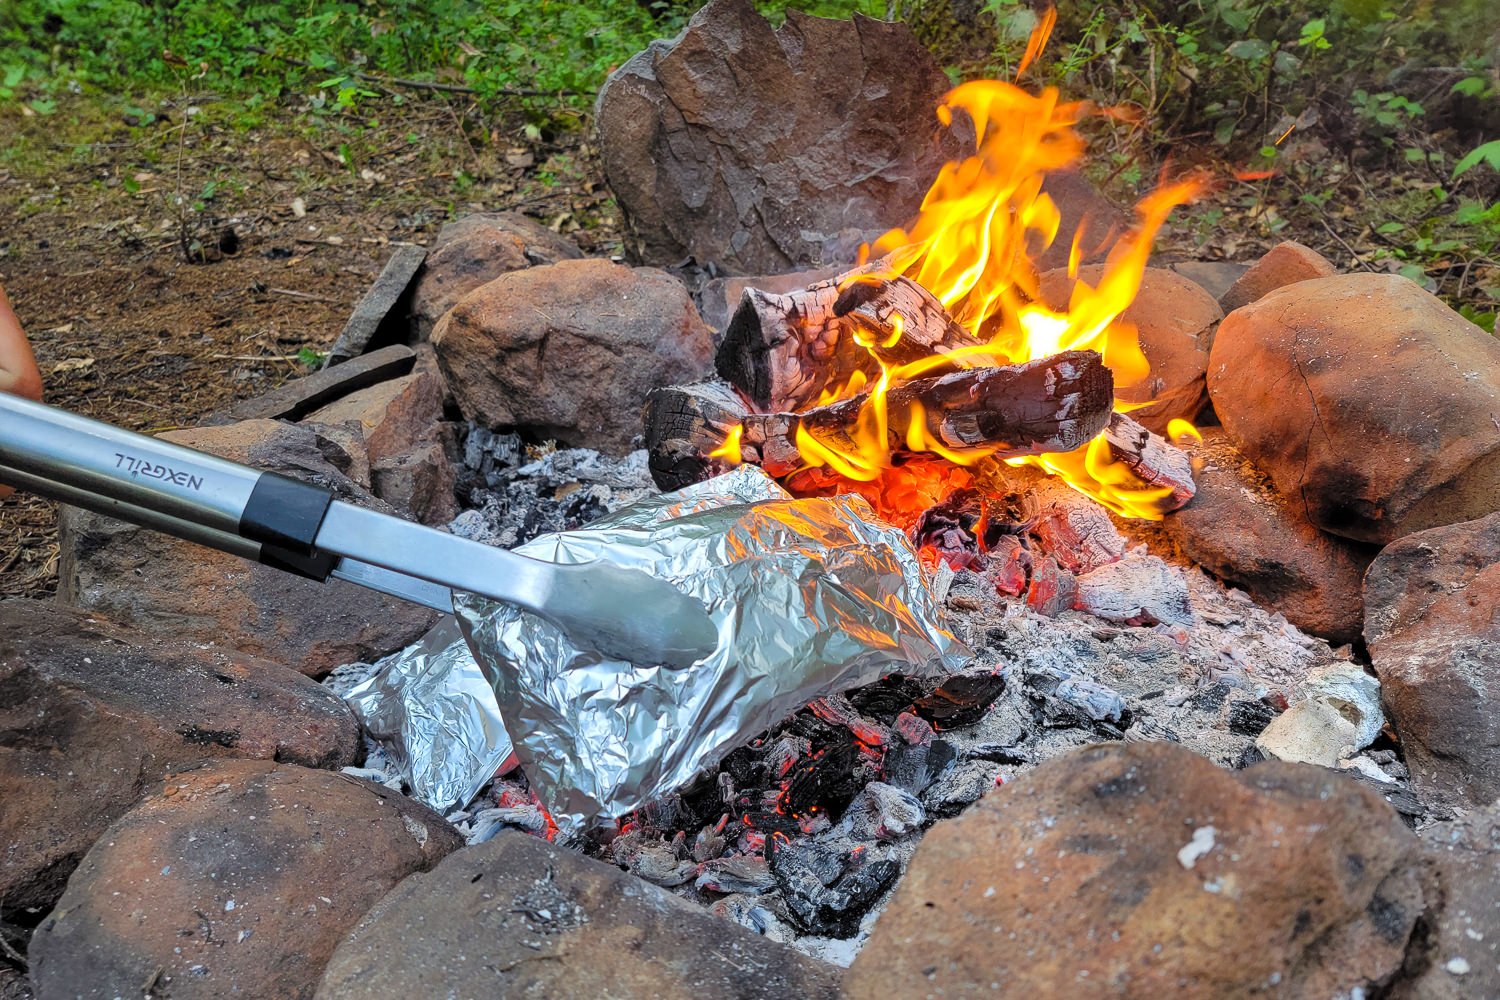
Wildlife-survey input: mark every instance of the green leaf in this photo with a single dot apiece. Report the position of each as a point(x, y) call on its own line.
point(1489, 154)
point(1249, 49)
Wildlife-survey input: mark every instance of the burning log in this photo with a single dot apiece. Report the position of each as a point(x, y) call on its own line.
point(782, 351)
point(1152, 459)
point(1053, 404)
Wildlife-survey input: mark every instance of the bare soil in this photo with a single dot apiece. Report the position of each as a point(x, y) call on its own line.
point(163, 271)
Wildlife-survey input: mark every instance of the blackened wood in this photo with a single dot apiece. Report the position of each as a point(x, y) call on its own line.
point(299, 397)
point(782, 351)
point(1049, 405)
point(684, 423)
point(377, 304)
point(1152, 459)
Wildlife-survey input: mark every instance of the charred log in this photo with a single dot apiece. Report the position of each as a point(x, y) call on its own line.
point(1053, 404)
point(684, 424)
point(1152, 459)
point(782, 351)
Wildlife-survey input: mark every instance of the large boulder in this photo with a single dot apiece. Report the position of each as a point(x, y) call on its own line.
point(477, 249)
point(569, 351)
point(163, 585)
point(1144, 870)
point(764, 150)
point(238, 879)
point(1240, 529)
point(1432, 621)
point(517, 916)
point(1368, 402)
point(91, 714)
point(1175, 320)
point(1284, 264)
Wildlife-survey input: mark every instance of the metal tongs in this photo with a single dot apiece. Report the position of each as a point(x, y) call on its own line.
point(301, 528)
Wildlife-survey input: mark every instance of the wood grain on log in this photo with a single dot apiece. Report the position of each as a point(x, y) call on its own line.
point(782, 351)
point(1152, 459)
point(684, 423)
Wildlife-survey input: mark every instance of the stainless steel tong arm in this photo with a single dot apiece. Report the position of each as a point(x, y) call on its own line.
point(300, 527)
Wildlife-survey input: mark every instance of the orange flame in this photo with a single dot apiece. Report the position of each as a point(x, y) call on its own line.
point(970, 246)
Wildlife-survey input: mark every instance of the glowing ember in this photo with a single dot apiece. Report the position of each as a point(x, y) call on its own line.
point(969, 248)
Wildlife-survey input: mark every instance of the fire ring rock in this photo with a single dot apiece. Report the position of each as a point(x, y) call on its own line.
point(1432, 620)
point(765, 150)
point(1366, 400)
point(568, 351)
point(235, 880)
point(1143, 870)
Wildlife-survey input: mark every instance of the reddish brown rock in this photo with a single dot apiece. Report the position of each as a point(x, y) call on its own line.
point(1432, 620)
point(1284, 264)
point(393, 416)
point(1462, 958)
point(1176, 321)
point(1143, 870)
point(475, 250)
point(419, 480)
point(759, 149)
point(400, 431)
point(1368, 402)
point(236, 879)
point(517, 916)
point(569, 351)
point(163, 585)
point(91, 714)
point(1240, 529)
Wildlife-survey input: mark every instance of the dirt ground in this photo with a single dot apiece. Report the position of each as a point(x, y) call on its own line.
point(300, 216)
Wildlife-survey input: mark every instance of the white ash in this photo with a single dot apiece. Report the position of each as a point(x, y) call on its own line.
point(514, 493)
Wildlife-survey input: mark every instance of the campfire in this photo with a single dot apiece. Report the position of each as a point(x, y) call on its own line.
point(919, 378)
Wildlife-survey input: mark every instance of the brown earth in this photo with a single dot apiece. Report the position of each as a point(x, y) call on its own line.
point(126, 330)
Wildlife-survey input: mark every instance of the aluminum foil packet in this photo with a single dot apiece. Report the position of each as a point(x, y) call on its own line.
point(434, 712)
point(811, 597)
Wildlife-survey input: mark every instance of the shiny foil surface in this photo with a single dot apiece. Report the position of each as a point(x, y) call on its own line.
point(810, 596)
point(434, 711)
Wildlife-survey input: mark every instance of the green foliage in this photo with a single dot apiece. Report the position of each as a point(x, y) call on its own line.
point(1488, 154)
point(492, 46)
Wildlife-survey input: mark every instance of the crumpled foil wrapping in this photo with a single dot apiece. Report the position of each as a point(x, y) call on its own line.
point(434, 711)
point(811, 597)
